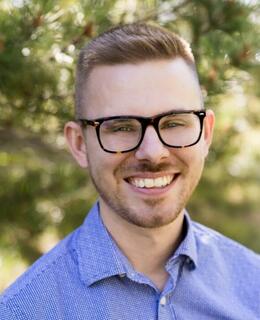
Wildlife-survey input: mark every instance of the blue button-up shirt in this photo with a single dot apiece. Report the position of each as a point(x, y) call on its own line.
point(86, 276)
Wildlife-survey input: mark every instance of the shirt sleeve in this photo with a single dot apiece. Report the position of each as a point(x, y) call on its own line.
point(5, 313)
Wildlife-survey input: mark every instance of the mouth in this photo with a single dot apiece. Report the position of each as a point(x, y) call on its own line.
point(161, 182)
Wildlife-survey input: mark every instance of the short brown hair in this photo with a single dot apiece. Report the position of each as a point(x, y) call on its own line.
point(130, 43)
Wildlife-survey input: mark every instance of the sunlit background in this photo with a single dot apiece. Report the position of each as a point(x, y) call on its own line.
point(43, 194)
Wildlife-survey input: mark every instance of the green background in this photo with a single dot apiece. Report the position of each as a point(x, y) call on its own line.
point(43, 194)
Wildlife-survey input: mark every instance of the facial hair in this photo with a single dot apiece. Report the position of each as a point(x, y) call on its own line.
point(131, 212)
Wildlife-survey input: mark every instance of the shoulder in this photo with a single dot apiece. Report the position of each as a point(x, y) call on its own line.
point(212, 238)
point(44, 272)
point(231, 269)
point(213, 245)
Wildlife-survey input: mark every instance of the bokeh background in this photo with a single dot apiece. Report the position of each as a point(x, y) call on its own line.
point(43, 194)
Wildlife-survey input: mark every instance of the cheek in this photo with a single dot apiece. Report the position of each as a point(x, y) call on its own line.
point(103, 164)
point(192, 158)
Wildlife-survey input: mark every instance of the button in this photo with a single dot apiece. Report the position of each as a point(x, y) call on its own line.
point(163, 301)
point(190, 264)
point(122, 275)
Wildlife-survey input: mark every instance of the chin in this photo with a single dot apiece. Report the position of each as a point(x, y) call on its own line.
point(150, 217)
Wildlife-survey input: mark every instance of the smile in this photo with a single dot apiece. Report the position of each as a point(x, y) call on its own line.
point(149, 183)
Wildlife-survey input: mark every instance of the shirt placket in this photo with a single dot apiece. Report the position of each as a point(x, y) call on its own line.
point(166, 299)
point(165, 312)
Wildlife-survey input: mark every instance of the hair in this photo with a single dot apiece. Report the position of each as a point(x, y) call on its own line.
point(131, 43)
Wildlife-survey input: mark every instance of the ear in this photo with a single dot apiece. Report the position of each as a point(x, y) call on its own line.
point(76, 143)
point(208, 126)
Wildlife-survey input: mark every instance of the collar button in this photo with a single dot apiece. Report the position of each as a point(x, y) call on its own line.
point(122, 275)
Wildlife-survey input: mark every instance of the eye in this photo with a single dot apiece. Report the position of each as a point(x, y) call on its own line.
point(122, 129)
point(120, 126)
point(172, 124)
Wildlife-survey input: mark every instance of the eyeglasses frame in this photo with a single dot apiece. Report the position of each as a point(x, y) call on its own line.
point(145, 122)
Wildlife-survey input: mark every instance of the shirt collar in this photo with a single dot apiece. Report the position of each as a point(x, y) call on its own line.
point(100, 258)
point(187, 247)
point(95, 248)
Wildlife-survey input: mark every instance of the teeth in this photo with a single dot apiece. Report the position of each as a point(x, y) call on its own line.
point(148, 183)
point(159, 182)
point(151, 183)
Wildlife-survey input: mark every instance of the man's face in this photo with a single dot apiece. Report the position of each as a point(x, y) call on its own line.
point(146, 89)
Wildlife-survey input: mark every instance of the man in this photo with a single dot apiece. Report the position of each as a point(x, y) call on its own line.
point(143, 133)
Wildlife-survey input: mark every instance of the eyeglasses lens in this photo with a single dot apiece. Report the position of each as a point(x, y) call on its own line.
point(179, 130)
point(120, 134)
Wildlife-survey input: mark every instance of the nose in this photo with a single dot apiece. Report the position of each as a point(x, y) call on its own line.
point(151, 148)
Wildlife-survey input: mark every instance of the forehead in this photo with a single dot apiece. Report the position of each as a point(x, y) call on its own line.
point(143, 89)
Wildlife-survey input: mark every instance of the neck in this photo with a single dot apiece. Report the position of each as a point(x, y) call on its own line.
point(148, 249)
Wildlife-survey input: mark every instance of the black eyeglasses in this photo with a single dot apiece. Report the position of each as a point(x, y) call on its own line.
point(175, 129)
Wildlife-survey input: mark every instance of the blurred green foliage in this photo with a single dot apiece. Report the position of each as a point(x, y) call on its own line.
point(43, 194)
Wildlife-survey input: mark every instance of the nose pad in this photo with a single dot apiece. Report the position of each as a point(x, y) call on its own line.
point(151, 148)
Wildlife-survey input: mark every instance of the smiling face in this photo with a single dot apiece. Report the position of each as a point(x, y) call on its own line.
point(150, 186)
